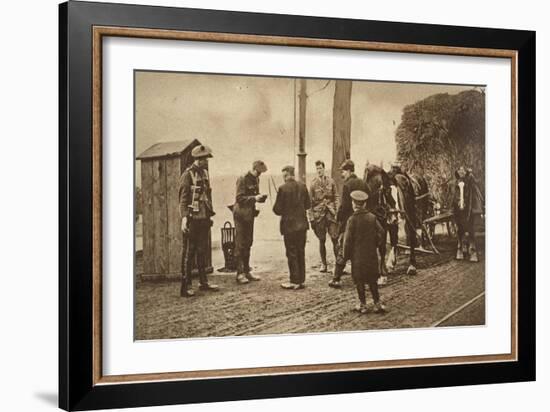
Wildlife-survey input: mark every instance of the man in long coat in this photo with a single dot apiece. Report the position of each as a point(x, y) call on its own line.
point(362, 238)
point(244, 213)
point(345, 210)
point(196, 211)
point(291, 204)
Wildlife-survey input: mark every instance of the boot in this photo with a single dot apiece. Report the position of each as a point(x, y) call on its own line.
point(250, 276)
point(290, 286)
point(246, 265)
point(205, 285)
point(361, 308)
point(241, 279)
point(185, 290)
point(379, 307)
point(187, 293)
point(336, 280)
point(209, 287)
point(382, 280)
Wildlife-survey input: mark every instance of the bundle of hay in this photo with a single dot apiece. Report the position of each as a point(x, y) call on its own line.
point(441, 133)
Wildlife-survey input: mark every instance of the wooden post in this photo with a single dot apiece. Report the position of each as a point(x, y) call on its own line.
point(302, 131)
point(341, 128)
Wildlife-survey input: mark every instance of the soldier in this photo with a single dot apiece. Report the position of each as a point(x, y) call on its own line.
point(363, 236)
point(195, 196)
point(244, 213)
point(345, 210)
point(291, 204)
point(324, 199)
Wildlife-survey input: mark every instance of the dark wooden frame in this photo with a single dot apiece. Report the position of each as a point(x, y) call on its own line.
point(81, 384)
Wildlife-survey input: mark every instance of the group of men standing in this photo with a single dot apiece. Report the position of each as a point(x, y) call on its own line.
point(321, 206)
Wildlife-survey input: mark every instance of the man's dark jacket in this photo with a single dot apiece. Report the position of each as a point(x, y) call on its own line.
point(346, 209)
point(248, 186)
point(292, 203)
point(186, 192)
point(363, 236)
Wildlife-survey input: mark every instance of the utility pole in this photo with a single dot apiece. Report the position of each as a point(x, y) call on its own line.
point(341, 128)
point(302, 102)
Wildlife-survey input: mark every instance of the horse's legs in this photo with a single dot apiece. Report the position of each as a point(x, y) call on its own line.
point(459, 237)
point(391, 260)
point(472, 249)
point(382, 251)
point(411, 242)
point(424, 241)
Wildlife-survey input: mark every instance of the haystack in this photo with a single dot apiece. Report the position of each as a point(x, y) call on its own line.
point(440, 133)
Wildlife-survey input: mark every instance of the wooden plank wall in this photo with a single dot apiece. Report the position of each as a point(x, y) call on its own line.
point(162, 237)
point(160, 214)
point(174, 220)
point(148, 217)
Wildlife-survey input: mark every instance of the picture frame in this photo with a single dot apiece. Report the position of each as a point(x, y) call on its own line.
point(82, 27)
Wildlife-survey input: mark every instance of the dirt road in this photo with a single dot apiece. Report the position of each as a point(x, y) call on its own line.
point(441, 286)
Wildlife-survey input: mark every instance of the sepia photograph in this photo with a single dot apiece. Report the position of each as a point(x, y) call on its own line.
point(279, 205)
point(261, 205)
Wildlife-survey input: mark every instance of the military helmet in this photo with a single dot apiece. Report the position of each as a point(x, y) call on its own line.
point(201, 151)
point(359, 196)
point(348, 165)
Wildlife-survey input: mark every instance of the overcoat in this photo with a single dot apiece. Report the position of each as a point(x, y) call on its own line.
point(194, 175)
point(291, 204)
point(363, 236)
point(345, 210)
point(244, 209)
point(244, 212)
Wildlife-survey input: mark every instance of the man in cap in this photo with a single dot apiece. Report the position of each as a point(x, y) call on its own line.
point(345, 210)
point(291, 204)
point(244, 213)
point(324, 199)
point(363, 236)
point(195, 201)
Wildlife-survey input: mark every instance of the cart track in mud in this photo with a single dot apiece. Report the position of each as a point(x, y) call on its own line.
point(262, 308)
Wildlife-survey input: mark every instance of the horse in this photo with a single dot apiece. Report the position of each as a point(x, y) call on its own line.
point(405, 211)
point(467, 203)
point(423, 204)
point(397, 198)
point(380, 202)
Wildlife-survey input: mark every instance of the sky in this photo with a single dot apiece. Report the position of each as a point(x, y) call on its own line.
point(244, 118)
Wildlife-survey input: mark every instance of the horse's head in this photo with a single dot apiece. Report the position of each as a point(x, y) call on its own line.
point(379, 187)
point(461, 197)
